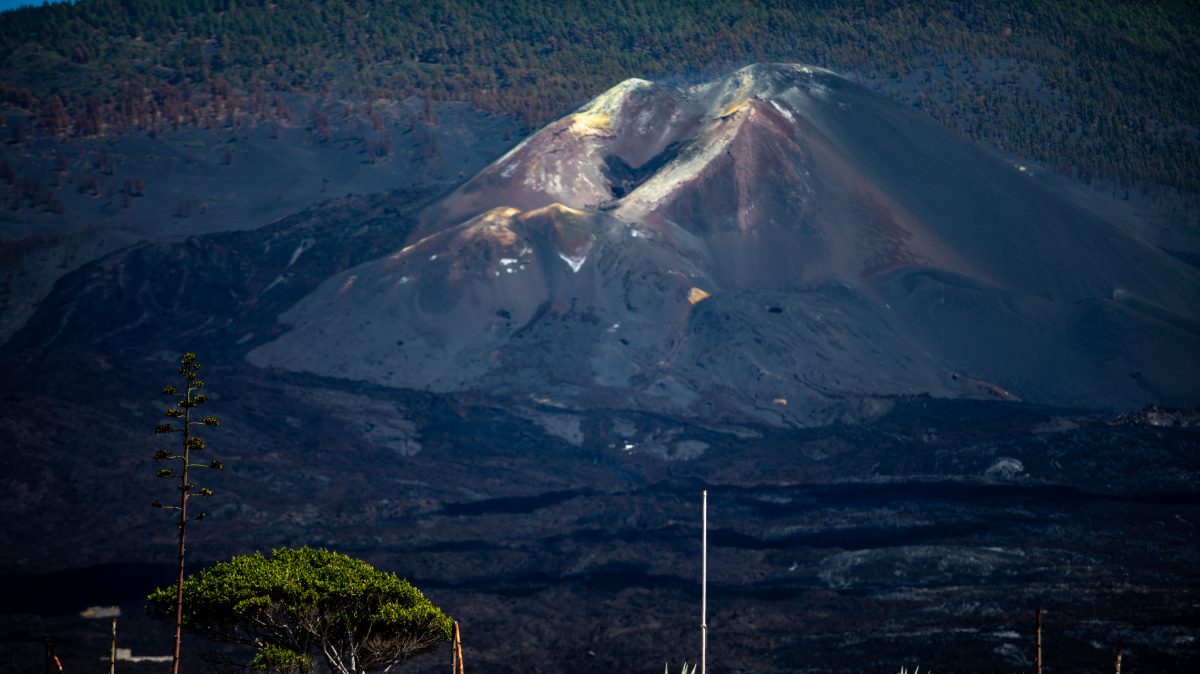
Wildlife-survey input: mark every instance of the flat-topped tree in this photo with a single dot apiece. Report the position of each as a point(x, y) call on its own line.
point(189, 370)
point(298, 605)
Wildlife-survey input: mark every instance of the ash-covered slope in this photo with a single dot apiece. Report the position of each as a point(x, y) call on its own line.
point(780, 244)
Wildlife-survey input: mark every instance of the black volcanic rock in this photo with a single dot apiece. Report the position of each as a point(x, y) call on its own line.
point(218, 293)
point(781, 245)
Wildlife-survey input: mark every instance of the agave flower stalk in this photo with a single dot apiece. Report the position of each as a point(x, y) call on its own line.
point(189, 370)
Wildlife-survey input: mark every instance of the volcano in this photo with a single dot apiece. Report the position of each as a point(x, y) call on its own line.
point(782, 287)
point(780, 245)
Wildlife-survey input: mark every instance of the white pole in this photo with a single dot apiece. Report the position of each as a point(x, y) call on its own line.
point(704, 588)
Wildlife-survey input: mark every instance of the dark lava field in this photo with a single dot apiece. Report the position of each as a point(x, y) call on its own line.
point(928, 394)
point(927, 537)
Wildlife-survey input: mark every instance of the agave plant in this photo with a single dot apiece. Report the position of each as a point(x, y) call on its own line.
point(666, 669)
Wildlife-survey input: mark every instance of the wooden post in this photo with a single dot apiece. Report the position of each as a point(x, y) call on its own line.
point(458, 648)
point(112, 650)
point(1039, 641)
point(1117, 667)
point(51, 656)
point(704, 586)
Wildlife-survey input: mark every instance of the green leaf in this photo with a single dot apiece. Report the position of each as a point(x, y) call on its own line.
point(278, 659)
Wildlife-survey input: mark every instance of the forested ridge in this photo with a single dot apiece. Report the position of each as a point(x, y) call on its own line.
point(1106, 88)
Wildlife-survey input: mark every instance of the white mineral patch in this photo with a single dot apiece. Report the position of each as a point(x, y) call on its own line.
point(510, 169)
point(575, 263)
point(783, 112)
point(507, 261)
point(304, 245)
point(278, 279)
point(1005, 468)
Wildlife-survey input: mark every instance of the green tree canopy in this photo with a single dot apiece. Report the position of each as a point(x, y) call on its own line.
point(300, 602)
point(1109, 87)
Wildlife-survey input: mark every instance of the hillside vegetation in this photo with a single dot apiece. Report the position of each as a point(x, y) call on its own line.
point(1107, 88)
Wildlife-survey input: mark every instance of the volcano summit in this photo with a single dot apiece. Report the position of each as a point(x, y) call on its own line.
point(780, 245)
